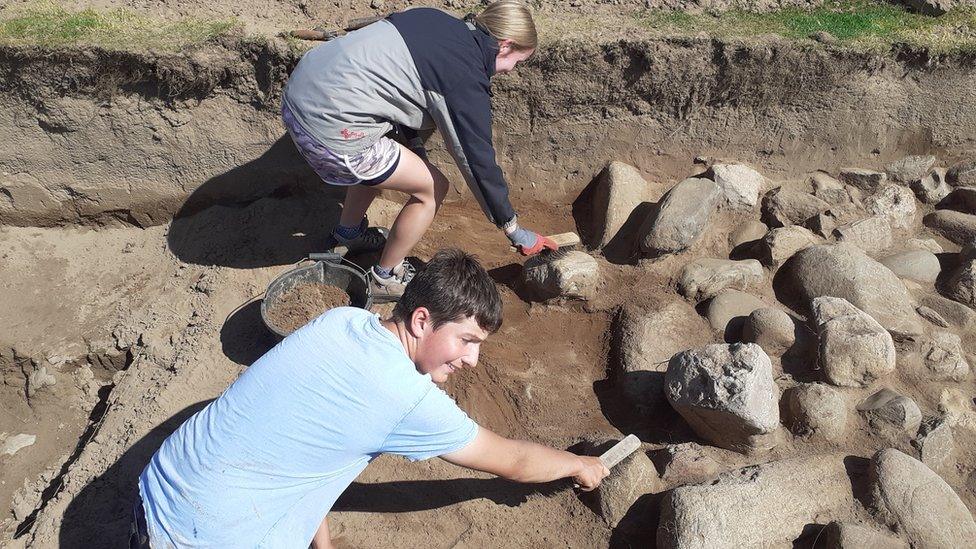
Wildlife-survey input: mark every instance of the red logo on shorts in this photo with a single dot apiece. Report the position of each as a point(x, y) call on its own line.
point(347, 134)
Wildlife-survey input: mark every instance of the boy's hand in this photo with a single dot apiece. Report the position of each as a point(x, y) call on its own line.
point(530, 243)
point(541, 243)
point(592, 472)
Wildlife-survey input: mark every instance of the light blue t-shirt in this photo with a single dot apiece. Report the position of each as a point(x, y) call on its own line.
point(263, 464)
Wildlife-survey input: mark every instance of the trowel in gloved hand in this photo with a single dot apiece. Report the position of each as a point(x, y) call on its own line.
point(619, 452)
point(565, 241)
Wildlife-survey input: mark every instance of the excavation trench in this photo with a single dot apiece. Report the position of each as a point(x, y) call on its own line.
point(153, 197)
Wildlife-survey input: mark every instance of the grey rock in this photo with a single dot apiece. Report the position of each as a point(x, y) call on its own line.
point(955, 313)
point(749, 231)
point(631, 479)
point(739, 183)
point(918, 265)
point(686, 463)
point(726, 394)
point(909, 495)
point(866, 180)
point(894, 203)
point(728, 310)
point(772, 329)
point(681, 218)
point(935, 445)
point(891, 414)
point(943, 357)
point(829, 189)
point(15, 443)
point(843, 535)
point(932, 187)
point(573, 274)
point(816, 409)
point(783, 207)
point(841, 270)
point(909, 168)
point(797, 492)
point(38, 379)
point(961, 199)
point(620, 190)
point(962, 174)
point(782, 243)
point(961, 286)
point(932, 316)
point(823, 225)
point(854, 350)
point(957, 227)
point(872, 234)
point(927, 244)
point(706, 277)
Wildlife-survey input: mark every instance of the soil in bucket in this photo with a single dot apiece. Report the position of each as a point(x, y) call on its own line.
point(299, 305)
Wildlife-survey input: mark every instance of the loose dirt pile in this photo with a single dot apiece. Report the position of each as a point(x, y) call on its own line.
point(297, 306)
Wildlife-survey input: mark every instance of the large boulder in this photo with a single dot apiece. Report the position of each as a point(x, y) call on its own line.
point(955, 226)
point(909, 168)
point(739, 183)
point(918, 265)
point(748, 232)
point(726, 394)
point(872, 234)
point(772, 329)
point(845, 535)
point(784, 207)
point(894, 203)
point(727, 312)
point(766, 505)
point(706, 277)
point(620, 189)
point(961, 286)
point(681, 218)
point(961, 199)
point(816, 409)
point(866, 180)
point(781, 243)
point(910, 496)
point(573, 274)
point(891, 414)
point(854, 350)
point(953, 312)
point(844, 271)
point(962, 174)
point(932, 187)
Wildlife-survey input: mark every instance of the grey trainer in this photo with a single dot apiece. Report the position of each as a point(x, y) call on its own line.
point(386, 290)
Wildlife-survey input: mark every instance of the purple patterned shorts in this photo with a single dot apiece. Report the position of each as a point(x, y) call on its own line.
point(370, 167)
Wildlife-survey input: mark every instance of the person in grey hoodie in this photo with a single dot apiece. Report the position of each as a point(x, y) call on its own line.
point(408, 74)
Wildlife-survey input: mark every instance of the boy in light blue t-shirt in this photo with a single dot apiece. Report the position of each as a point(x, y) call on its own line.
point(262, 465)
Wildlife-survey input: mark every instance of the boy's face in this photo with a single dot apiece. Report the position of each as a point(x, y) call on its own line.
point(449, 348)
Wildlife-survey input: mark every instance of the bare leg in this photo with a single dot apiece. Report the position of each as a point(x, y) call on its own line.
point(358, 199)
point(427, 187)
point(322, 539)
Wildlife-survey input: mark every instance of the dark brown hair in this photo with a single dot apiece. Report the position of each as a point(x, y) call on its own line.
point(453, 286)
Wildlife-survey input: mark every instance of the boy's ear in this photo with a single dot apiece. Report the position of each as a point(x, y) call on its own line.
point(419, 320)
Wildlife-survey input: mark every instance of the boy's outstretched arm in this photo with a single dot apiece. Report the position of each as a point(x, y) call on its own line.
point(524, 461)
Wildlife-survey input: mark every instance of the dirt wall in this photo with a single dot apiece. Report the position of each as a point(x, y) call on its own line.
point(107, 137)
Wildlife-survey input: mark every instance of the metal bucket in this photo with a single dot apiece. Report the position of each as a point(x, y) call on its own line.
point(329, 269)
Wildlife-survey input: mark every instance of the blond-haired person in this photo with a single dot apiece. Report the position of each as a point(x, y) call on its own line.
point(409, 73)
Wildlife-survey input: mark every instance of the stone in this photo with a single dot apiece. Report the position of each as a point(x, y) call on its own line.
point(932, 187)
point(960, 199)
point(909, 168)
point(766, 505)
point(843, 535)
point(684, 464)
point(891, 414)
point(681, 218)
point(620, 189)
point(918, 265)
point(943, 357)
point(632, 478)
point(866, 180)
point(816, 409)
point(961, 286)
point(932, 8)
point(935, 444)
point(781, 243)
point(573, 274)
point(728, 310)
point(872, 234)
point(703, 278)
point(962, 174)
point(932, 316)
point(783, 207)
point(823, 224)
point(829, 189)
point(15, 443)
point(909, 495)
point(953, 312)
point(749, 231)
point(39, 379)
point(927, 244)
point(645, 342)
point(739, 183)
point(894, 203)
point(772, 329)
point(854, 350)
point(844, 271)
point(726, 394)
point(957, 227)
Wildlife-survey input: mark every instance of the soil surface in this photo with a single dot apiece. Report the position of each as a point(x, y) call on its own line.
point(297, 306)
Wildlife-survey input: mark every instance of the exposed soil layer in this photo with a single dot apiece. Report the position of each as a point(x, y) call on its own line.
point(297, 306)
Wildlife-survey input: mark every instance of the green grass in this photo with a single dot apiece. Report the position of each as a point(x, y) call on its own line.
point(857, 23)
point(51, 25)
